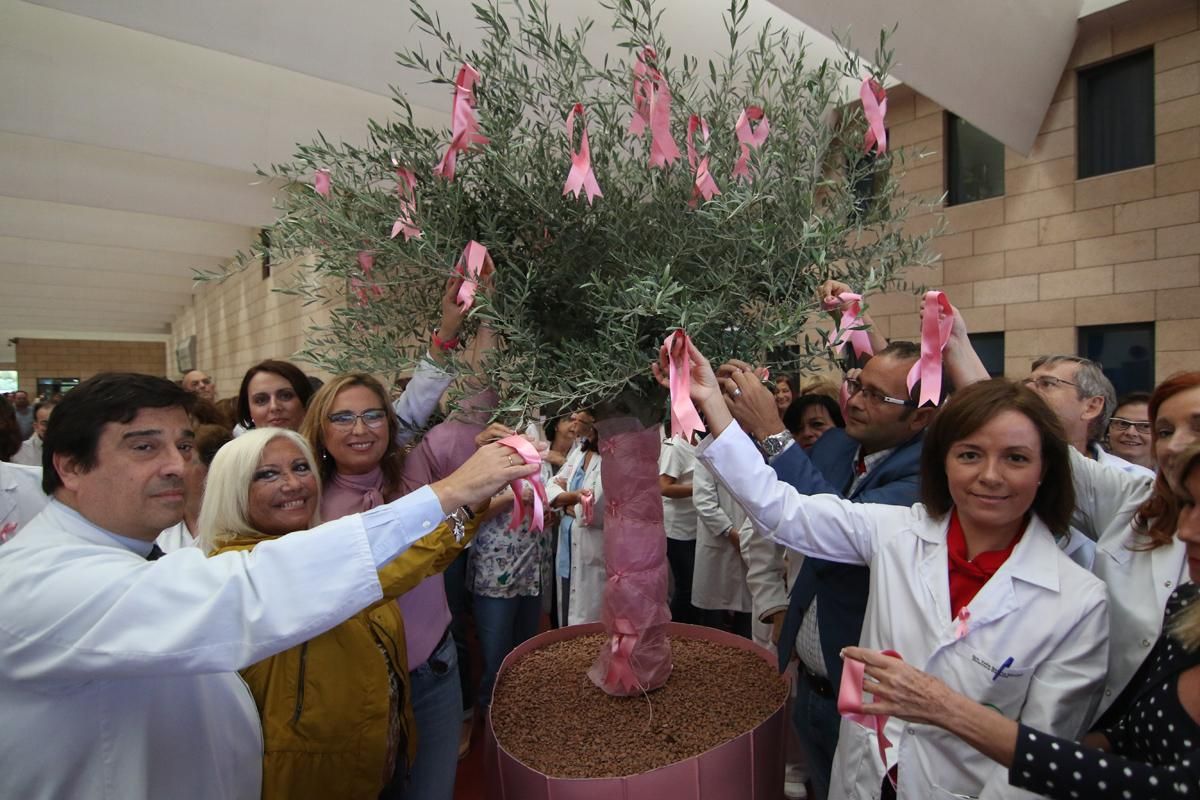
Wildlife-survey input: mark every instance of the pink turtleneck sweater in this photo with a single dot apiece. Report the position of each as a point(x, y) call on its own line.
point(424, 608)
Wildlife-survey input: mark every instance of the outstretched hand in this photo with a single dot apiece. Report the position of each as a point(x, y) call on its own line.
point(751, 403)
point(481, 476)
point(704, 389)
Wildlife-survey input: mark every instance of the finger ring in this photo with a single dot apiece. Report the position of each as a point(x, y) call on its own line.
point(736, 393)
point(510, 463)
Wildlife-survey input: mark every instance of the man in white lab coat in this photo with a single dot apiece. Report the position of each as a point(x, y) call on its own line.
point(117, 675)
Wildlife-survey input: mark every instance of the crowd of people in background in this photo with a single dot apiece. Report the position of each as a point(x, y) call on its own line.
point(1008, 574)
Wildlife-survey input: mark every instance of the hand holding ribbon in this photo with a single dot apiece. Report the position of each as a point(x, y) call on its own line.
point(581, 177)
point(937, 323)
point(474, 265)
point(748, 138)
point(850, 703)
point(849, 329)
point(874, 103)
point(464, 127)
point(685, 420)
point(536, 513)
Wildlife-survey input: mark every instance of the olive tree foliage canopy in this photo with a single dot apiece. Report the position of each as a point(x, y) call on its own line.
point(584, 294)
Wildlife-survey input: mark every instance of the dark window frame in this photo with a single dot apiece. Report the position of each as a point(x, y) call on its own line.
point(948, 173)
point(1086, 165)
point(1118, 373)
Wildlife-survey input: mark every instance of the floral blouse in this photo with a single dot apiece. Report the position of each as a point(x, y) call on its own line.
point(508, 563)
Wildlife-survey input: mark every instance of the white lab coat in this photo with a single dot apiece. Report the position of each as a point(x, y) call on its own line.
point(588, 573)
point(118, 676)
point(175, 537)
point(719, 578)
point(1041, 609)
point(21, 497)
point(1139, 582)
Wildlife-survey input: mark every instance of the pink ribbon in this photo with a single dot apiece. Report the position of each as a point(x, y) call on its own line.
point(874, 103)
point(749, 137)
point(474, 264)
point(464, 127)
point(620, 666)
point(322, 182)
point(704, 185)
point(587, 503)
point(7, 531)
point(685, 420)
point(850, 704)
point(652, 106)
point(360, 290)
point(935, 334)
point(960, 623)
point(536, 513)
point(851, 318)
point(406, 187)
point(366, 262)
point(581, 177)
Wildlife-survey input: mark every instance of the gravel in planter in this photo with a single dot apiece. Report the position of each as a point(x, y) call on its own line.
point(547, 714)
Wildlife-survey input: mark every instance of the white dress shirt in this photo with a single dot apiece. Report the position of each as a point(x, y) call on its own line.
point(21, 497)
point(118, 676)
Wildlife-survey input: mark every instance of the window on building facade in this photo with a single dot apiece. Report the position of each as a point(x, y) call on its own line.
point(990, 348)
point(974, 163)
point(1116, 115)
point(1126, 352)
point(866, 176)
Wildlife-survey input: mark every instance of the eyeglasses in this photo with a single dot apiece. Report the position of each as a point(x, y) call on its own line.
point(372, 418)
point(854, 386)
point(1120, 425)
point(1046, 382)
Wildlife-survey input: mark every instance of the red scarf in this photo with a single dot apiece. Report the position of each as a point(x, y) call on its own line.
point(968, 577)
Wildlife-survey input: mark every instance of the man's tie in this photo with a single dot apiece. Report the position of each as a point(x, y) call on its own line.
point(155, 553)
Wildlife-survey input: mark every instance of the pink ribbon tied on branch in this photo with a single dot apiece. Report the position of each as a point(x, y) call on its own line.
point(322, 182)
point(464, 127)
point(652, 107)
point(850, 704)
point(620, 666)
point(704, 185)
point(685, 420)
point(874, 103)
point(587, 504)
point(474, 265)
point(850, 328)
point(537, 511)
point(581, 177)
point(749, 137)
point(406, 187)
point(937, 322)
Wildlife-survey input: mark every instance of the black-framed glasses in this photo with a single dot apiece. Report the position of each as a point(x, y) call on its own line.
point(372, 418)
point(1046, 382)
point(1120, 425)
point(854, 386)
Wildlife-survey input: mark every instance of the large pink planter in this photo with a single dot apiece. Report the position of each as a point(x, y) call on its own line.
point(749, 767)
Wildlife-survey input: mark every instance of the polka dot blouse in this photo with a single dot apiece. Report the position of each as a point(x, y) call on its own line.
point(1155, 746)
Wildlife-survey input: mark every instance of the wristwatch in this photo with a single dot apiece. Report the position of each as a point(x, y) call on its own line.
point(460, 516)
point(776, 443)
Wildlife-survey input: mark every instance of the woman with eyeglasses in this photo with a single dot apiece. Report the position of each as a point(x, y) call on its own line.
point(353, 430)
point(1129, 430)
point(968, 585)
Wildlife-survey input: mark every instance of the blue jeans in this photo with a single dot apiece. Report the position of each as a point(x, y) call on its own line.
point(502, 623)
point(817, 722)
point(437, 708)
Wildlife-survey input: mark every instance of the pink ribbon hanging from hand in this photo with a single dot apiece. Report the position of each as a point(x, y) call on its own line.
point(464, 127)
point(620, 666)
point(322, 182)
point(704, 185)
point(406, 187)
point(685, 420)
point(652, 106)
point(874, 103)
point(474, 264)
point(536, 512)
point(850, 704)
point(937, 322)
point(960, 623)
point(851, 318)
point(581, 176)
point(587, 504)
point(749, 137)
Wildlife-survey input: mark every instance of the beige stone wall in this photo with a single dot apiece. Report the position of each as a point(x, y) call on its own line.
point(1054, 252)
point(77, 358)
point(242, 321)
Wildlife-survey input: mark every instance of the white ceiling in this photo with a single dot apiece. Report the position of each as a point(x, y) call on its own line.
point(129, 129)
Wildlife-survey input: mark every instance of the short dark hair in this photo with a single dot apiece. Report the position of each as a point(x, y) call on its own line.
point(10, 431)
point(969, 410)
point(44, 404)
point(794, 415)
point(74, 429)
point(1133, 398)
point(289, 372)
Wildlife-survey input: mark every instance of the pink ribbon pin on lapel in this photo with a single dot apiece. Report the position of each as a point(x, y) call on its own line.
point(937, 322)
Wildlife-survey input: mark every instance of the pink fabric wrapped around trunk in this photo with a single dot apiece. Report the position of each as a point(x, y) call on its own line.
point(635, 614)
